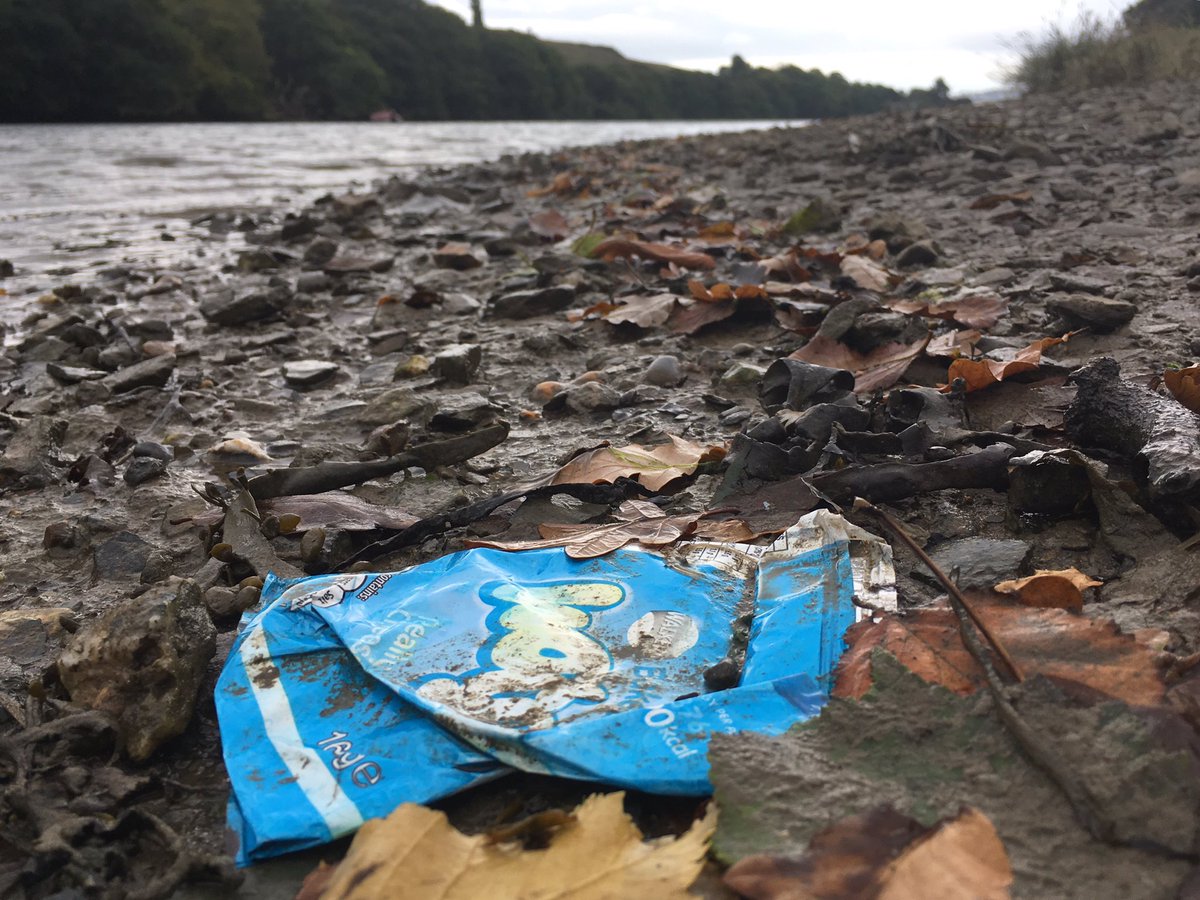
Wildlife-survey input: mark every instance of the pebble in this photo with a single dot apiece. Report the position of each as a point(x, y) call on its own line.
point(142, 469)
point(1101, 314)
point(307, 373)
point(154, 372)
point(458, 363)
point(983, 562)
point(918, 255)
point(741, 374)
point(527, 304)
point(665, 371)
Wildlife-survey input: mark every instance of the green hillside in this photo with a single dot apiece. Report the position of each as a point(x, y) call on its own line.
point(155, 60)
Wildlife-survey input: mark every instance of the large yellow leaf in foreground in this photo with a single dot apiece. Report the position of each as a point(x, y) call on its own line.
point(598, 855)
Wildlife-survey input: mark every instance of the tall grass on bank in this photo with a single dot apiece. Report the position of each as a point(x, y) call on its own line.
point(1099, 53)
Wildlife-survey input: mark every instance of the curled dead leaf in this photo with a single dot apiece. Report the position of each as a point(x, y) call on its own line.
point(866, 273)
point(881, 368)
point(1058, 589)
point(655, 467)
point(981, 373)
point(617, 248)
point(1184, 385)
point(973, 311)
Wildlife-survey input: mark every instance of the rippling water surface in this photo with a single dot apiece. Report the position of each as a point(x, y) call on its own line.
point(75, 198)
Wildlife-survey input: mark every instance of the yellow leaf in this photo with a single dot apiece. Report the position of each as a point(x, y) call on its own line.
point(655, 467)
point(599, 855)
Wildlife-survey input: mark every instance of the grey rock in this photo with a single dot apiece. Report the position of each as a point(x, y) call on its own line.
point(222, 602)
point(312, 282)
point(154, 372)
point(142, 663)
point(320, 251)
point(919, 254)
point(31, 458)
point(142, 469)
point(224, 308)
point(458, 363)
point(742, 374)
point(1039, 153)
point(591, 396)
point(153, 450)
point(121, 556)
point(392, 405)
point(257, 260)
point(1101, 314)
point(1078, 284)
point(538, 302)
point(308, 373)
point(982, 562)
point(459, 412)
point(391, 340)
point(73, 374)
point(665, 371)
point(459, 304)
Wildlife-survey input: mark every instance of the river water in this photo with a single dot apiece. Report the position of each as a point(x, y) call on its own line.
point(76, 198)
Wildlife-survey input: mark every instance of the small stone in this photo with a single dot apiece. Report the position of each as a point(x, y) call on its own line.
point(6, 269)
point(121, 556)
point(665, 371)
point(247, 596)
point(73, 374)
point(735, 416)
point(222, 602)
point(311, 544)
point(308, 373)
point(982, 562)
point(153, 450)
point(312, 282)
point(459, 412)
point(142, 469)
point(538, 302)
point(158, 348)
point(1101, 314)
point(345, 265)
point(457, 303)
point(546, 391)
point(225, 308)
point(591, 396)
point(159, 567)
point(257, 260)
point(62, 536)
point(459, 257)
point(919, 254)
point(388, 440)
point(743, 374)
point(1077, 284)
point(458, 363)
point(413, 367)
point(392, 405)
point(142, 663)
point(320, 251)
point(388, 341)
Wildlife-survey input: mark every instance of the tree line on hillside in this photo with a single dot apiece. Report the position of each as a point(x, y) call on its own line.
point(171, 60)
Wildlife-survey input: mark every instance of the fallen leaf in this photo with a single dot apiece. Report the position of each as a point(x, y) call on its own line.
point(885, 854)
point(654, 467)
point(973, 311)
point(615, 248)
point(550, 224)
point(881, 368)
point(866, 273)
point(688, 318)
point(1054, 589)
point(1184, 385)
point(416, 853)
point(954, 343)
point(991, 201)
point(981, 373)
point(563, 184)
point(644, 312)
point(1051, 642)
point(717, 231)
point(586, 244)
point(638, 522)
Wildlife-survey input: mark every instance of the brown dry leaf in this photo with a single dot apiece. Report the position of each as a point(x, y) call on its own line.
point(1054, 589)
point(688, 318)
point(719, 291)
point(654, 467)
point(866, 273)
point(615, 248)
point(718, 230)
point(563, 184)
point(881, 368)
point(973, 311)
point(415, 853)
point(1184, 385)
point(954, 343)
point(991, 201)
point(981, 373)
point(550, 224)
point(644, 312)
point(885, 854)
point(1051, 642)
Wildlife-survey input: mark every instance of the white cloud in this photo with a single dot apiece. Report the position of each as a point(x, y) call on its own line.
point(888, 41)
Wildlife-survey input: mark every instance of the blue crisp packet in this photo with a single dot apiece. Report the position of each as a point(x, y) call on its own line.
point(351, 694)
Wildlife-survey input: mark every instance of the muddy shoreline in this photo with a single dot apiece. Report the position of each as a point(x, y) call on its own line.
point(439, 305)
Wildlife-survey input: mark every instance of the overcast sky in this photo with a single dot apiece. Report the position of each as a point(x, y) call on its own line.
point(893, 42)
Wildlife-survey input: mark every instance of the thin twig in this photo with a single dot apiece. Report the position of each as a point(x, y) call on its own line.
point(944, 579)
